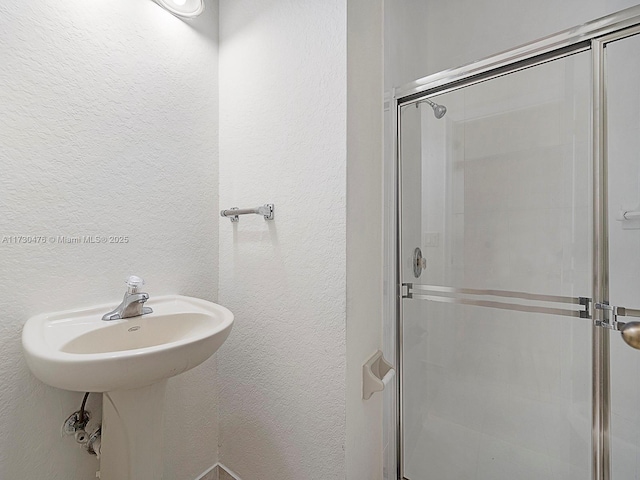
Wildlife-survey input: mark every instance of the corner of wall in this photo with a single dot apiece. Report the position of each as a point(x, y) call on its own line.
point(364, 232)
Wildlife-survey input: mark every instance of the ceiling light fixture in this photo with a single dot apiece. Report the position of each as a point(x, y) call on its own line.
point(183, 8)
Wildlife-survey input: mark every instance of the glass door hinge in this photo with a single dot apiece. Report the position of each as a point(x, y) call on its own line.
point(586, 303)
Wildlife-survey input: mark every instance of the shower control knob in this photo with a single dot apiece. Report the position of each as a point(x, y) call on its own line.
point(419, 262)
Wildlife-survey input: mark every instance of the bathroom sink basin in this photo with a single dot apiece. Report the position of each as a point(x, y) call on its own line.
point(77, 350)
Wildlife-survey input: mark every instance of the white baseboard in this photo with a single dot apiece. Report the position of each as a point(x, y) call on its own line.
point(229, 471)
point(208, 472)
point(204, 474)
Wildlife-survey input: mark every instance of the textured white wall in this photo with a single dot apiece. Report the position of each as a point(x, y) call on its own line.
point(364, 232)
point(108, 127)
point(283, 140)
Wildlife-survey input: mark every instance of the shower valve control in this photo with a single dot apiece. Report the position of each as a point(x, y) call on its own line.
point(419, 262)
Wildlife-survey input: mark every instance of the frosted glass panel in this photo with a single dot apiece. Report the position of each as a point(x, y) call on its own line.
point(496, 194)
point(623, 124)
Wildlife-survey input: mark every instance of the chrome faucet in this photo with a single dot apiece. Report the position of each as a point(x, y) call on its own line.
point(133, 302)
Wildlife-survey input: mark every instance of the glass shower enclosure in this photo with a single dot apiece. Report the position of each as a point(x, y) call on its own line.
point(518, 263)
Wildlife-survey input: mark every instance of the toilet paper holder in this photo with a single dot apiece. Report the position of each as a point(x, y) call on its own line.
point(376, 373)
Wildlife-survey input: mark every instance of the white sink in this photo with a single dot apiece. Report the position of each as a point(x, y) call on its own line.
point(77, 350)
point(129, 361)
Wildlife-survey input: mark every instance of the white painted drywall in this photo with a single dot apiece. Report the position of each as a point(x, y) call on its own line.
point(364, 232)
point(108, 126)
point(283, 111)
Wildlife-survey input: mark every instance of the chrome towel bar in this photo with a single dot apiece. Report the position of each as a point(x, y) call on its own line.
point(233, 213)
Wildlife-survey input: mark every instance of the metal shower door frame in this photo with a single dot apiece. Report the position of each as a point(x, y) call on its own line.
point(593, 37)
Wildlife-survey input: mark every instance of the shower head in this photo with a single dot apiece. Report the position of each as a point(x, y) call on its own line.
point(438, 110)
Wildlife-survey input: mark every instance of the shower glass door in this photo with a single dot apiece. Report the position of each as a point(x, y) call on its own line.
point(496, 195)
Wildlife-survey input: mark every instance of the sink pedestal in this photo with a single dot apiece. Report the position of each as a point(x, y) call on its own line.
point(132, 433)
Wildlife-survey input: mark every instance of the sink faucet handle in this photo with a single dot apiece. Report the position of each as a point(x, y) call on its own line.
point(134, 283)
